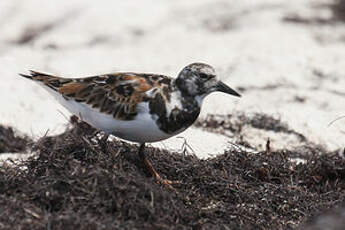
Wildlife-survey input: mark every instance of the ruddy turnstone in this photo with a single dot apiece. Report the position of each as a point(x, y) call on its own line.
point(138, 107)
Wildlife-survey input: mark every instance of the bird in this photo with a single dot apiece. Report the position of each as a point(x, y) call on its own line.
point(137, 107)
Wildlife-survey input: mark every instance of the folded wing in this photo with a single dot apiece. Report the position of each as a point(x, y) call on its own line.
point(116, 94)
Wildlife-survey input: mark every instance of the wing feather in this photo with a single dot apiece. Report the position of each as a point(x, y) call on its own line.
point(116, 94)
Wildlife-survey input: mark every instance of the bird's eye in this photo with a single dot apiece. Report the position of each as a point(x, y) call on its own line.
point(204, 76)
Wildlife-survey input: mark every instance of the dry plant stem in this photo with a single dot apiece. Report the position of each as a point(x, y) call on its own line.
point(103, 142)
point(268, 146)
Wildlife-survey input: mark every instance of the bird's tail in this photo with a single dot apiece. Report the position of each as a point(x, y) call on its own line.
point(48, 80)
point(37, 76)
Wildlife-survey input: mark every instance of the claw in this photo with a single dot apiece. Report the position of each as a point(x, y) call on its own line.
point(160, 180)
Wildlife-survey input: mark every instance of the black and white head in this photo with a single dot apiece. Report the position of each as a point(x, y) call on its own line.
point(199, 80)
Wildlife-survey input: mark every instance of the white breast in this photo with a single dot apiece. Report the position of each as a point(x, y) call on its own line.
point(142, 128)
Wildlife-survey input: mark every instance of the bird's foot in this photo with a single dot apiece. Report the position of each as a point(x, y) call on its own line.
point(158, 178)
point(168, 183)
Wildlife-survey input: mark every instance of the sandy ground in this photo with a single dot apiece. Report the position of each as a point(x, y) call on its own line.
point(287, 68)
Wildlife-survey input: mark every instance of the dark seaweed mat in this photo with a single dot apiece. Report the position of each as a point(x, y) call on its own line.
point(76, 183)
point(11, 142)
point(337, 8)
point(233, 125)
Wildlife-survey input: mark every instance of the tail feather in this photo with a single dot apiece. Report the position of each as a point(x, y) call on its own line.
point(26, 76)
point(34, 75)
point(51, 81)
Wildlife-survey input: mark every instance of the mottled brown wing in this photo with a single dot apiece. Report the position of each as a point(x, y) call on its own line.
point(115, 94)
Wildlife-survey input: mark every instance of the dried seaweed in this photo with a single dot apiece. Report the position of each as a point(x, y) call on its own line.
point(225, 124)
point(76, 182)
point(12, 142)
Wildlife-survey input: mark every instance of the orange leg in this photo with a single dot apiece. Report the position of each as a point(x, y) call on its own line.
point(148, 166)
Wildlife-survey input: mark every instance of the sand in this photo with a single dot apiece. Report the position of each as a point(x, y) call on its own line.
point(285, 57)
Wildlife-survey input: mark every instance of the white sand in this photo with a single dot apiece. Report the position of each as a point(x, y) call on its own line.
point(255, 49)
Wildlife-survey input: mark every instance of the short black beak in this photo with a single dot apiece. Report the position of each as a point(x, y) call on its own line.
point(226, 89)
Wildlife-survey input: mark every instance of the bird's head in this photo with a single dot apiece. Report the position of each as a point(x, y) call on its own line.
point(199, 80)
